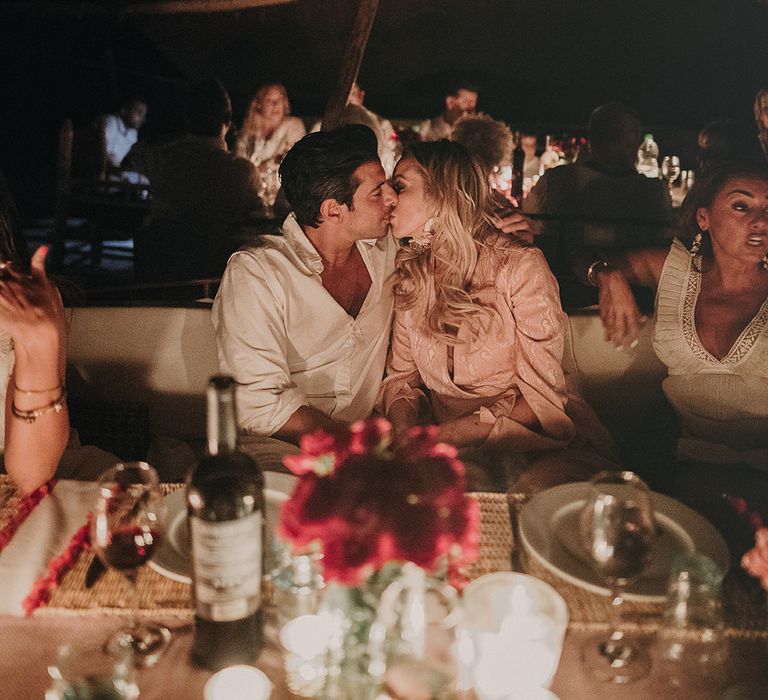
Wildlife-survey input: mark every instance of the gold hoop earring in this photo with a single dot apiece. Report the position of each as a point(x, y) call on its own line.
point(696, 245)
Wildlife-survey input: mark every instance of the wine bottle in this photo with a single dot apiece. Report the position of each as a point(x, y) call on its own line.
point(518, 161)
point(225, 502)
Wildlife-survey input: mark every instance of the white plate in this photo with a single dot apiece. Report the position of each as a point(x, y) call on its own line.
point(549, 533)
point(172, 558)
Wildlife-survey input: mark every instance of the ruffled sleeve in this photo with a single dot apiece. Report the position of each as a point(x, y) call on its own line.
point(539, 341)
point(403, 380)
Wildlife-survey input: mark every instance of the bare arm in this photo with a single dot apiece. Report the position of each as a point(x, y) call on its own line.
point(468, 430)
point(306, 419)
point(32, 312)
point(619, 313)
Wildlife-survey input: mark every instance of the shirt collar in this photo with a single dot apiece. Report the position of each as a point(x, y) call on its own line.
point(296, 238)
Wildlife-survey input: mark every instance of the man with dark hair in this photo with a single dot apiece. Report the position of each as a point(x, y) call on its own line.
point(602, 202)
point(303, 318)
point(201, 193)
point(460, 101)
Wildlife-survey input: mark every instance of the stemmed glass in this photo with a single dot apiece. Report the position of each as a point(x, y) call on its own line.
point(269, 186)
point(618, 530)
point(127, 527)
point(670, 169)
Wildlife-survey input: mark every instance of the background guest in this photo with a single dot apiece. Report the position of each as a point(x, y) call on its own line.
point(459, 102)
point(202, 195)
point(600, 201)
point(532, 164)
point(725, 140)
point(268, 130)
point(761, 118)
point(121, 130)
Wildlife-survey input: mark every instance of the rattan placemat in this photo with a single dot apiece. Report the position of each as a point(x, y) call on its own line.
point(745, 609)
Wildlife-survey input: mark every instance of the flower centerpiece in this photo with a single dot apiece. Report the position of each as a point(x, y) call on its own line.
point(375, 509)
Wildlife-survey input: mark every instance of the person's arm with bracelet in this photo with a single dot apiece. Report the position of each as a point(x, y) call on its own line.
point(613, 274)
point(36, 418)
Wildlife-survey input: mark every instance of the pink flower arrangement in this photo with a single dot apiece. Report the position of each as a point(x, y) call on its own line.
point(368, 503)
point(755, 561)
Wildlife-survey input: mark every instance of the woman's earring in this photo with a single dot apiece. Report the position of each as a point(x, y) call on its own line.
point(428, 224)
point(696, 245)
point(764, 262)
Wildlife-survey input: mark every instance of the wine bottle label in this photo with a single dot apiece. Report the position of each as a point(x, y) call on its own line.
point(227, 567)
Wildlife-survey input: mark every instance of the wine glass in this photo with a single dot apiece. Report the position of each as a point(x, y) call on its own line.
point(269, 186)
point(670, 169)
point(618, 530)
point(127, 527)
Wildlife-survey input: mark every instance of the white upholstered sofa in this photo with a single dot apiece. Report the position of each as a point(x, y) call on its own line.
point(161, 357)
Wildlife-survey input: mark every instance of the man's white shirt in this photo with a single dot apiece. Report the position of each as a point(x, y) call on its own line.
point(288, 343)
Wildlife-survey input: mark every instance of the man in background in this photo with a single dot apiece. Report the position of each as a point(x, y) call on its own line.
point(121, 130)
point(459, 102)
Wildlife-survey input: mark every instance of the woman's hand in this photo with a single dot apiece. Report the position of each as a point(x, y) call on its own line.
point(31, 310)
point(619, 312)
point(515, 224)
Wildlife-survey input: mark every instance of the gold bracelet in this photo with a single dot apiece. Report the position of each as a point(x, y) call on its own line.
point(595, 269)
point(30, 416)
point(58, 388)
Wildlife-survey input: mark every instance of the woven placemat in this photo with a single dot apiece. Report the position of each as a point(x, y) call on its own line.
point(745, 610)
point(9, 499)
point(495, 547)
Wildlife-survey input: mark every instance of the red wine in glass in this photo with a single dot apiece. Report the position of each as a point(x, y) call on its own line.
point(131, 547)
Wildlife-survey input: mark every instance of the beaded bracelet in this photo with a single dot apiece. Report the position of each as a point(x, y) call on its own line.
point(33, 414)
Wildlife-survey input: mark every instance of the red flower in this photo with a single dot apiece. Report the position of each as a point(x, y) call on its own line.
point(376, 505)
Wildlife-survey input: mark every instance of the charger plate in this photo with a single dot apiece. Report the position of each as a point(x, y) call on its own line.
point(549, 533)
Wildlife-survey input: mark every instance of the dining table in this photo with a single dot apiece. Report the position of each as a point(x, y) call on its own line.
point(34, 534)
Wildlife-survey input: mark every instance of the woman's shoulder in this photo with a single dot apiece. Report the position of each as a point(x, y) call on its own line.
point(505, 249)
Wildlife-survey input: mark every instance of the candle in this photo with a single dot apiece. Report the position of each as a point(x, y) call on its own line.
point(516, 624)
point(307, 636)
point(242, 682)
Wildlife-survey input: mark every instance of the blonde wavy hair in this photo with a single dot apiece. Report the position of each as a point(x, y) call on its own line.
point(459, 197)
point(254, 122)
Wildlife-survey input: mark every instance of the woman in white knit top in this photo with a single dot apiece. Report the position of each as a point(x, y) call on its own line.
point(710, 329)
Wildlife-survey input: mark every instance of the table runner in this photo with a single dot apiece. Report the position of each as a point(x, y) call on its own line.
point(745, 609)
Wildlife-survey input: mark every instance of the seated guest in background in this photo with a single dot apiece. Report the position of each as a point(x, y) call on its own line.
point(461, 101)
point(356, 113)
point(268, 129)
point(490, 143)
point(725, 140)
point(532, 163)
point(602, 201)
point(710, 330)
point(201, 194)
point(478, 335)
point(303, 318)
point(121, 130)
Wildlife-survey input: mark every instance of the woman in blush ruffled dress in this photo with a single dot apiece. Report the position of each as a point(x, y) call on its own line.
point(268, 131)
point(479, 333)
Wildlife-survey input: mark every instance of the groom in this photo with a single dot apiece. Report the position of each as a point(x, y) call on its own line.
point(303, 318)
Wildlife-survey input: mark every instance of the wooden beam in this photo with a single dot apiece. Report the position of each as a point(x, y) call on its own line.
point(52, 8)
point(162, 7)
point(350, 64)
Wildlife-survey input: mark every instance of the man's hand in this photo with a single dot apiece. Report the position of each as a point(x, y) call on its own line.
point(515, 224)
point(619, 313)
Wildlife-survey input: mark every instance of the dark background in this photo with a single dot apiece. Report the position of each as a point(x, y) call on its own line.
point(542, 63)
